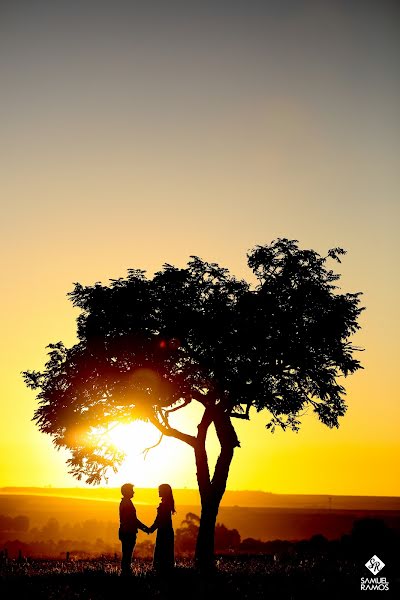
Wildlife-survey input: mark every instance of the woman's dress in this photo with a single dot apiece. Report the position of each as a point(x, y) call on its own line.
point(164, 558)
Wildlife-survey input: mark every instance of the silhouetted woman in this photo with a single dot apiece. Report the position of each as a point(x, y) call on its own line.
point(164, 558)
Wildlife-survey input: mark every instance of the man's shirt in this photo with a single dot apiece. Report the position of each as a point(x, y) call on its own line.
point(129, 523)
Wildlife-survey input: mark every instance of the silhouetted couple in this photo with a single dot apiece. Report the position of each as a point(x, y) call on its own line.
point(163, 560)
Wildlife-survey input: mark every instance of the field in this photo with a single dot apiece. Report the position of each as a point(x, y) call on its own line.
point(235, 578)
point(316, 552)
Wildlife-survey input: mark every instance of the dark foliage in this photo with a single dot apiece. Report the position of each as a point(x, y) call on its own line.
point(149, 346)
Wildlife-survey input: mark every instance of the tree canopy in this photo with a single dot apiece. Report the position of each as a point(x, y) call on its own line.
point(150, 346)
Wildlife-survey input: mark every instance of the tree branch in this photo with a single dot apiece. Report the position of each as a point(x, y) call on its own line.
point(225, 431)
point(203, 471)
point(229, 441)
point(147, 450)
point(165, 429)
point(204, 424)
point(245, 415)
point(185, 403)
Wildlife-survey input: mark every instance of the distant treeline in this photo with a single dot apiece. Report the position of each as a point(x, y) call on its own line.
point(10, 524)
point(90, 529)
point(367, 535)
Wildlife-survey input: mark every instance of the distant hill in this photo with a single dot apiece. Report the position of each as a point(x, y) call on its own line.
point(251, 499)
point(266, 523)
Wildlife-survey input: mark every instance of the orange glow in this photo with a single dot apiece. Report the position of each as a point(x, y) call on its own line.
point(142, 468)
point(134, 150)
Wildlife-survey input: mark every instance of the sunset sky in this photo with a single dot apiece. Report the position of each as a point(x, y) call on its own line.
point(134, 134)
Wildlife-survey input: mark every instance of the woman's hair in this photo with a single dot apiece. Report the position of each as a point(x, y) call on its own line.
point(167, 496)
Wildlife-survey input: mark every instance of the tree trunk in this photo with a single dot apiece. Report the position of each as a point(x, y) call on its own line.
point(211, 491)
point(204, 556)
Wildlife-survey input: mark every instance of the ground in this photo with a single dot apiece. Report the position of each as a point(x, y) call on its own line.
point(235, 577)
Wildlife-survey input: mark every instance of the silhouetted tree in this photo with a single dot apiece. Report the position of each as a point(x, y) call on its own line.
point(149, 347)
point(19, 523)
point(371, 536)
point(186, 536)
point(226, 539)
point(51, 529)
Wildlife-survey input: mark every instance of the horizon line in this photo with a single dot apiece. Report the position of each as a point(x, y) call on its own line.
point(93, 489)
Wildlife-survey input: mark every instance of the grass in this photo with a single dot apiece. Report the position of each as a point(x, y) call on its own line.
point(236, 577)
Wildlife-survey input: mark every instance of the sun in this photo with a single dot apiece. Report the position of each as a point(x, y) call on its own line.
point(170, 460)
point(133, 437)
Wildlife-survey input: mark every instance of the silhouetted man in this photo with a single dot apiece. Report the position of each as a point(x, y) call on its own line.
point(128, 528)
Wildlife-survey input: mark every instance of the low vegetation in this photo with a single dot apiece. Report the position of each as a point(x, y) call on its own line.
point(252, 577)
point(246, 568)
